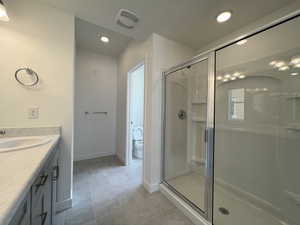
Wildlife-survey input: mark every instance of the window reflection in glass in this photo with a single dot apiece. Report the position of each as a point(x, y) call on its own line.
point(236, 104)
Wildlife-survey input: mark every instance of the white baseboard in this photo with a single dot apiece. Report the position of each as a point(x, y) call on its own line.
point(121, 159)
point(150, 187)
point(91, 155)
point(63, 205)
point(186, 209)
point(201, 161)
point(180, 173)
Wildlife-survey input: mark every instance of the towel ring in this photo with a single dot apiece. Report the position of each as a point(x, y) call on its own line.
point(29, 72)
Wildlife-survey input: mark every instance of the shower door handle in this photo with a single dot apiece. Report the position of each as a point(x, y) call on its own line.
point(209, 133)
point(205, 134)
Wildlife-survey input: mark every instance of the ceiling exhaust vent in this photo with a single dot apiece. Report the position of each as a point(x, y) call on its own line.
point(127, 19)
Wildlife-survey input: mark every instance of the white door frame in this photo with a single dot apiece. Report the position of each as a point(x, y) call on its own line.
point(128, 151)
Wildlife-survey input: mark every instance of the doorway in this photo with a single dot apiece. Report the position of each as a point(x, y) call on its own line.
point(135, 112)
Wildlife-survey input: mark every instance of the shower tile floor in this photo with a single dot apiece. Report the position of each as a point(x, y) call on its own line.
point(107, 193)
point(191, 186)
point(240, 211)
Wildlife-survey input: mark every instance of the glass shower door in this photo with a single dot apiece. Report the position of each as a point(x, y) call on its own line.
point(185, 126)
point(257, 129)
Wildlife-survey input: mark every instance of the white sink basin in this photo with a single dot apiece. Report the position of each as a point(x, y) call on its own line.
point(18, 143)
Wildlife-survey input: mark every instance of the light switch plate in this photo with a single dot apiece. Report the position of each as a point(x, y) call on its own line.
point(33, 113)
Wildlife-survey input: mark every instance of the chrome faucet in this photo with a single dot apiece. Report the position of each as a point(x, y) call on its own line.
point(2, 132)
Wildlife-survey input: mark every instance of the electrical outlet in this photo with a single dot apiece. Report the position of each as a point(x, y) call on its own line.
point(33, 113)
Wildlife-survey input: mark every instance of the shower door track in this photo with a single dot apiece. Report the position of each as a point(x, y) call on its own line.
point(186, 200)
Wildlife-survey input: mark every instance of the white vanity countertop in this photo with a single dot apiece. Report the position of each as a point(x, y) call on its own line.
point(18, 169)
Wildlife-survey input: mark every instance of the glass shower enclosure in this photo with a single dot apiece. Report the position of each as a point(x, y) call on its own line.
point(186, 129)
point(231, 146)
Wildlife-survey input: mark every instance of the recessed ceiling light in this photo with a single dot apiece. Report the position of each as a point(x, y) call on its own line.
point(232, 78)
point(224, 16)
point(242, 76)
point(273, 63)
point(241, 42)
point(104, 39)
point(283, 68)
point(294, 74)
point(219, 77)
point(225, 80)
point(3, 14)
point(227, 76)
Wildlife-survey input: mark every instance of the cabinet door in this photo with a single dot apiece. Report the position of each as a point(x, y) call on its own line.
point(48, 197)
point(38, 186)
point(22, 216)
point(41, 210)
point(55, 175)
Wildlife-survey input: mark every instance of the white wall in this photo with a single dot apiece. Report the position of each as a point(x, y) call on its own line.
point(135, 53)
point(166, 53)
point(42, 38)
point(159, 54)
point(137, 97)
point(95, 91)
point(176, 129)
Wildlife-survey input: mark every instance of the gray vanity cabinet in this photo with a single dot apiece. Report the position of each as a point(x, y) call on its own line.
point(38, 208)
point(22, 217)
point(41, 199)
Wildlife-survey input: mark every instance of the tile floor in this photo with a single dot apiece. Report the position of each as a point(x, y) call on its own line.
point(107, 193)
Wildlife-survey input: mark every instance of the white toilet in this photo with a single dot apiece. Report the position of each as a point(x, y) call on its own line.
point(138, 142)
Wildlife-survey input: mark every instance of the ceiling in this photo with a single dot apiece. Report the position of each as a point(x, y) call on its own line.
point(87, 37)
point(191, 22)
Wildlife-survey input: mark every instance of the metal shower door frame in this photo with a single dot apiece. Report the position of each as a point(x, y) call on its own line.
point(209, 132)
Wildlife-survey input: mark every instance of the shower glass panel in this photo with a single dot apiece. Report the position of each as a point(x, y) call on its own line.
point(185, 122)
point(257, 129)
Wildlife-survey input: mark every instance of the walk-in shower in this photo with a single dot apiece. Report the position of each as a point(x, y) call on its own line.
point(186, 120)
point(232, 129)
point(186, 94)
